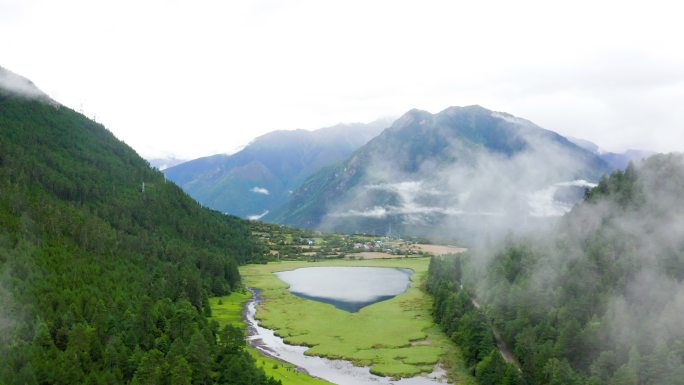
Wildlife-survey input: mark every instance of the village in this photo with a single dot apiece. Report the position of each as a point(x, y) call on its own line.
point(285, 243)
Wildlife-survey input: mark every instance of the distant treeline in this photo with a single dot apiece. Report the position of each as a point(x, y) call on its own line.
point(597, 300)
point(102, 282)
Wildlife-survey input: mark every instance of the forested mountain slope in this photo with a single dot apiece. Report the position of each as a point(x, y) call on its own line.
point(260, 177)
point(597, 300)
point(102, 281)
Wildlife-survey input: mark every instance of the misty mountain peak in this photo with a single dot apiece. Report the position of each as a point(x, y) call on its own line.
point(413, 116)
point(428, 168)
point(472, 109)
point(423, 134)
point(18, 85)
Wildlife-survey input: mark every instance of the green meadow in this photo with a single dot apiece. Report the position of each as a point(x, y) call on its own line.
point(396, 338)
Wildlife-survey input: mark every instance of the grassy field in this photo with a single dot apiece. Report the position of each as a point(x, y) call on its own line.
point(395, 337)
point(228, 310)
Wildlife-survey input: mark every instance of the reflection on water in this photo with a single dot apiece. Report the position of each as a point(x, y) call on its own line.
point(336, 371)
point(347, 288)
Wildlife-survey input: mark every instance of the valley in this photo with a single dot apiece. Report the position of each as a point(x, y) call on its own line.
point(393, 338)
point(110, 273)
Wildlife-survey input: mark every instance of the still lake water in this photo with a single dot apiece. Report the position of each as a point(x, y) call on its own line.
point(347, 288)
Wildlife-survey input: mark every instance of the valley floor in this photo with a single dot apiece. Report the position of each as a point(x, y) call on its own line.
point(396, 338)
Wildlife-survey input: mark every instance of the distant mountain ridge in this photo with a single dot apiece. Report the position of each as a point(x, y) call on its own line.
point(414, 173)
point(620, 160)
point(617, 160)
point(165, 162)
point(260, 177)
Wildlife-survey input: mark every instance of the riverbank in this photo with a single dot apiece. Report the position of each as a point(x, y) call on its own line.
point(395, 338)
point(229, 310)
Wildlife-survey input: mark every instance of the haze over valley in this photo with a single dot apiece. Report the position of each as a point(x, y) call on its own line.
point(450, 170)
point(341, 192)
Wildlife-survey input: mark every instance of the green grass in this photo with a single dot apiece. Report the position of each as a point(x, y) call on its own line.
point(228, 310)
point(396, 338)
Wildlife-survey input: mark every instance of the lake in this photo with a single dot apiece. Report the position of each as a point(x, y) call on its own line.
point(347, 288)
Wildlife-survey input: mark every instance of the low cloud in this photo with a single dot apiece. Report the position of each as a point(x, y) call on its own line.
point(256, 217)
point(18, 85)
point(260, 190)
point(640, 244)
point(479, 195)
point(557, 199)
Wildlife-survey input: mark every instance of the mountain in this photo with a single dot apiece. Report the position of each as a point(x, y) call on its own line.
point(429, 173)
point(620, 160)
point(105, 267)
point(260, 177)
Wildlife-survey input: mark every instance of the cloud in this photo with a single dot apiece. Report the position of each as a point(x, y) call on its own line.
point(557, 199)
point(18, 85)
point(260, 190)
point(256, 217)
point(609, 82)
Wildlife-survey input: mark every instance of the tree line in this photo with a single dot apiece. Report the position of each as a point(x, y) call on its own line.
point(466, 325)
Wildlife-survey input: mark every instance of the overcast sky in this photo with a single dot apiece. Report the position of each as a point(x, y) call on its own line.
point(193, 78)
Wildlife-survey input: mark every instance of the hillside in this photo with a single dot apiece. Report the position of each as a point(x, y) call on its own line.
point(436, 171)
point(597, 299)
point(103, 280)
point(260, 177)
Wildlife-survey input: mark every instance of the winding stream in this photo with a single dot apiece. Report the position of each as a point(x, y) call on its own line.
point(336, 371)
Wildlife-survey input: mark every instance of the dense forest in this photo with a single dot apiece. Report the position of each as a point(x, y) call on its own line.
point(599, 299)
point(468, 326)
point(106, 268)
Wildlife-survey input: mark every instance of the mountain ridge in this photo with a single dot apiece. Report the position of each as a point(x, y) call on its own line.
point(419, 145)
point(259, 177)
